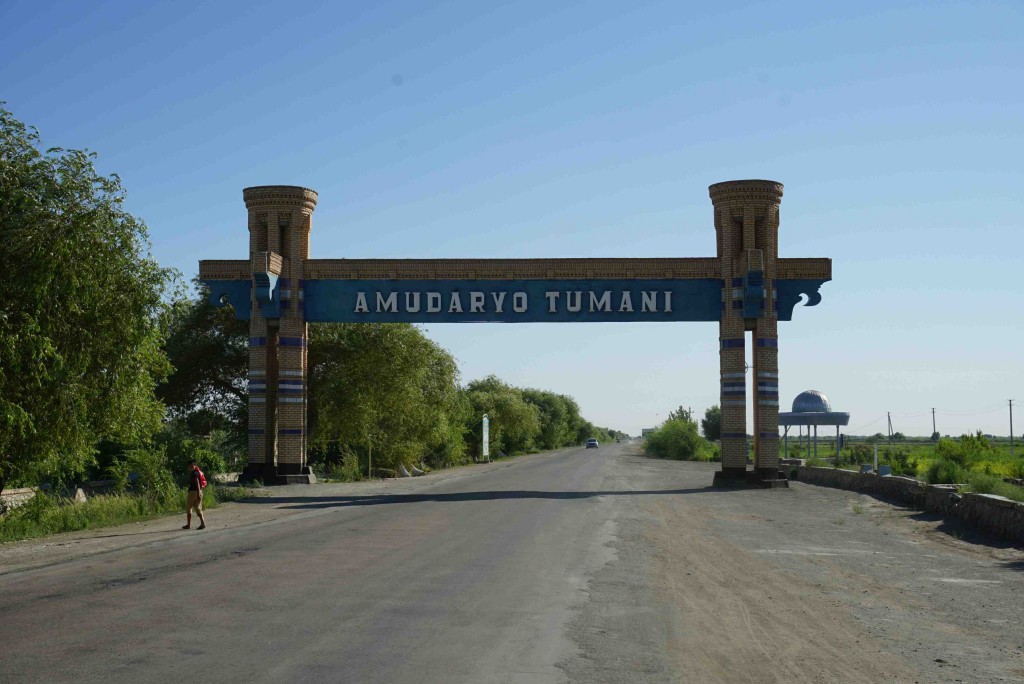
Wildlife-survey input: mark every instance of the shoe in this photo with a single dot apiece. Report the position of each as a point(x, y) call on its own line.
point(186, 527)
point(201, 527)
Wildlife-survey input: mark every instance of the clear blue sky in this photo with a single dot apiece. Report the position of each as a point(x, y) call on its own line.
point(544, 129)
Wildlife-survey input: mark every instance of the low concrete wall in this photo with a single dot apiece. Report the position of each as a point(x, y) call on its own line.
point(12, 498)
point(995, 514)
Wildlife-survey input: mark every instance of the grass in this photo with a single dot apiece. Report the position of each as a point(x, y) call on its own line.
point(980, 483)
point(45, 515)
point(980, 472)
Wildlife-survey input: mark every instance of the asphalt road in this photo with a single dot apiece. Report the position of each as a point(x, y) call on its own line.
point(583, 566)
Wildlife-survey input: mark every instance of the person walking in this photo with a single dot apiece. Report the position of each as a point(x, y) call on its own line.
point(195, 497)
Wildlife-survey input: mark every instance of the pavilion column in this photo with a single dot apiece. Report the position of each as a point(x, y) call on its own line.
point(280, 219)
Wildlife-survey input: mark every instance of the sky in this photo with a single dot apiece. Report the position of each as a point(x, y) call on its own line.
point(561, 129)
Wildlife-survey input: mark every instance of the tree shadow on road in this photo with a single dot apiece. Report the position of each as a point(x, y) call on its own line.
point(306, 502)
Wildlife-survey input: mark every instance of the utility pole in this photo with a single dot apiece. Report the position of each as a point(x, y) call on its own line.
point(1011, 426)
point(888, 415)
point(933, 422)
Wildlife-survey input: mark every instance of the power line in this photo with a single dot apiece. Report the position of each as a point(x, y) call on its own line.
point(861, 427)
point(972, 412)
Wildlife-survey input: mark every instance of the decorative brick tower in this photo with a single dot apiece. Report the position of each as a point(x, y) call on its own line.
point(747, 227)
point(280, 218)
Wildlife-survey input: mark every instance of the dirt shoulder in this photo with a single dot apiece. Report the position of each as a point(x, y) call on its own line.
point(814, 584)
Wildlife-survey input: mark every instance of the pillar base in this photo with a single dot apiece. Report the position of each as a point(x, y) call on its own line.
point(730, 477)
point(765, 478)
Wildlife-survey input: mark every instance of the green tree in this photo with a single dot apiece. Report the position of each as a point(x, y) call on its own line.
point(384, 389)
point(559, 417)
point(711, 423)
point(209, 351)
point(81, 317)
point(682, 413)
point(514, 422)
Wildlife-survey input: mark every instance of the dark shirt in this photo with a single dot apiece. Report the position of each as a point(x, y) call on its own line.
point(193, 481)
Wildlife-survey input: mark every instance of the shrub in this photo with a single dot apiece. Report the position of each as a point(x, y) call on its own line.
point(181, 448)
point(945, 471)
point(965, 451)
point(899, 460)
point(1017, 470)
point(346, 469)
point(155, 480)
point(861, 453)
point(982, 483)
point(678, 440)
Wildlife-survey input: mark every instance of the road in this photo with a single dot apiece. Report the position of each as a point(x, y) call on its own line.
point(578, 565)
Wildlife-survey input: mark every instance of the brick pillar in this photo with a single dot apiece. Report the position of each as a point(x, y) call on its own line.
point(766, 354)
point(746, 225)
point(262, 442)
point(731, 343)
point(280, 219)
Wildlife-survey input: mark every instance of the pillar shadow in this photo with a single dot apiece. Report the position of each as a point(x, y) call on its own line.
point(306, 502)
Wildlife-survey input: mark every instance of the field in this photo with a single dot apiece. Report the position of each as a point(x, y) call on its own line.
point(981, 464)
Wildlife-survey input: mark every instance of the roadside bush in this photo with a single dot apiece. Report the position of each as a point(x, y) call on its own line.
point(180, 448)
point(155, 479)
point(861, 453)
point(965, 451)
point(980, 483)
point(345, 469)
point(899, 460)
point(678, 440)
point(945, 471)
point(1017, 470)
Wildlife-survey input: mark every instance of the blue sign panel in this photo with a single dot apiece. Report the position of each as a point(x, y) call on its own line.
point(511, 301)
point(506, 301)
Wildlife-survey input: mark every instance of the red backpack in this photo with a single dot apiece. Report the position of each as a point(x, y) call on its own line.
point(202, 478)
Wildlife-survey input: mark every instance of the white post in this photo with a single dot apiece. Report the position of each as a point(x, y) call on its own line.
point(485, 450)
point(876, 457)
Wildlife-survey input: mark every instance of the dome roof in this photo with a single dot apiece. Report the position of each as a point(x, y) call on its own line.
point(811, 401)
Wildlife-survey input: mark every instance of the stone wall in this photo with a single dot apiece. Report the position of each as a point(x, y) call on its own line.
point(994, 514)
point(12, 498)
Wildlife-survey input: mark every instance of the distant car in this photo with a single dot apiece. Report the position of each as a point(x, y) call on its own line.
point(591, 443)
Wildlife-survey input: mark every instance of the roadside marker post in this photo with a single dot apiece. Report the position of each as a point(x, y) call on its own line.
point(485, 450)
